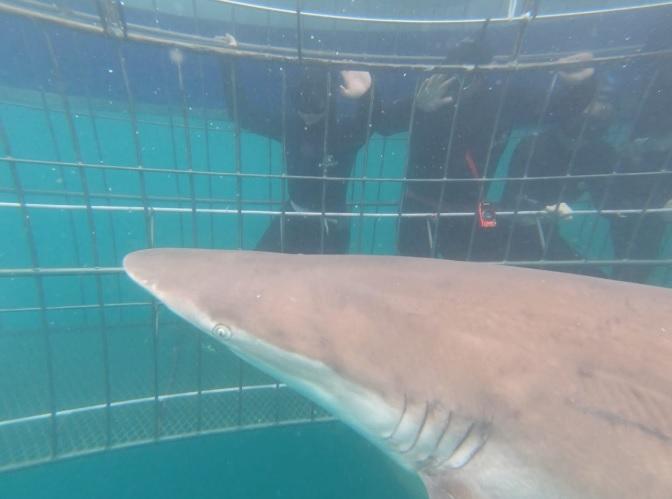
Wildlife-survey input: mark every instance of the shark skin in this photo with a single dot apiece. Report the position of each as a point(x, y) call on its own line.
point(489, 381)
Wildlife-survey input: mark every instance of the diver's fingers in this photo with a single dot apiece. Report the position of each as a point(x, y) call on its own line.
point(578, 57)
point(562, 210)
point(356, 83)
point(228, 39)
point(424, 86)
point(446, 101)
point(577, 76)
point(345, 92)
point(432, 81)
point(448, 83)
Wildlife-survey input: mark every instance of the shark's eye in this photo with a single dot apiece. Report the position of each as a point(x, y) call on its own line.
point(223, 332)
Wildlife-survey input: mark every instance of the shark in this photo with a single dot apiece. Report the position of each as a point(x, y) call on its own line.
point(489, 381)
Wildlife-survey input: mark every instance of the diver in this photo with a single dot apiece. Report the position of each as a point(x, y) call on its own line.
point(453, 145)
point(544, 167)
point(452, 131)
point(646, 161)
point(324, 123)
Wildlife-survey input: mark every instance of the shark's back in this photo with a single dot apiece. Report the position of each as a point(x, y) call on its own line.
point(573, 375)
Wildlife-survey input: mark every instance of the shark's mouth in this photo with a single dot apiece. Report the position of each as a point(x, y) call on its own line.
point(364, 410)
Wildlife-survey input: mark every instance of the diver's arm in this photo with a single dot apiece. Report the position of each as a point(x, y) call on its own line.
point(576, 89)
point(393, 117)
point(355, 84)
point(435, 94)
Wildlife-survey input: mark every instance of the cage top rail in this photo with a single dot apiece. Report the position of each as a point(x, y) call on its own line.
point(86, 22)
point(428, 21)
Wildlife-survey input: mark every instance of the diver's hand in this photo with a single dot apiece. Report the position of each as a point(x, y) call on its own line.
point(576, 75)
point(355, 83)
point(598, 109)
point(561, 210)
point(667, 215)
point(432, 94)
point(228, 39)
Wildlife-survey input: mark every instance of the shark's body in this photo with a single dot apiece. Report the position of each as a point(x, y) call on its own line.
point(490, 381)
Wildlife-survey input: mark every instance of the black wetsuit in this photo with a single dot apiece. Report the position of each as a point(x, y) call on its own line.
point(470, 154)
point(638, 236)
point(433, 153)
point(569, 145)
point(326, 148)
point(551, 153)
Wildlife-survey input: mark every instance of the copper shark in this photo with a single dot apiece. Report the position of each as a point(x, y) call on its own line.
point(489, 381)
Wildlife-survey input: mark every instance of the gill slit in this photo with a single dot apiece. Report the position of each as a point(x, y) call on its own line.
point(459, 445)
point(401, 418)
point(421, 427)
point(432, 454)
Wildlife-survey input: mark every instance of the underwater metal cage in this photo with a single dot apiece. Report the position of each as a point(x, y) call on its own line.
point(114, 136)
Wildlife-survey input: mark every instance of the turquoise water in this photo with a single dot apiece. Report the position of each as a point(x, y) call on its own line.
point(87, 311)
point(307, 462)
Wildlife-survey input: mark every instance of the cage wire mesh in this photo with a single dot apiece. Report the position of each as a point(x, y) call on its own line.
point(123, 126)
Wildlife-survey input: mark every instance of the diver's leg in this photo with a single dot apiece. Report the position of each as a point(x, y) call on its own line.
point(415, 233)
point(270, 240)
point(642, 245)
point(414, 237)
point(337, 237)
point(561, 250)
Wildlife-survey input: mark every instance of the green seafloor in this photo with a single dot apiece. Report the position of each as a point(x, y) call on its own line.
point(319, 460)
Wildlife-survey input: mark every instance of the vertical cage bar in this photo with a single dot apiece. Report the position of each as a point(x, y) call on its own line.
point(365, 167)
point(619, 163)
point(150, 229)
point(647, 206)
point(237, 152)
point(379, 190)
point(526, 168)
point(283, 180)
point(553, 228)
point(57, 152)
point(325, 164)
point(299, 31)
point(446, 166)
point(106, 184)
point(188, 151)
point(194, 11)
point(404, 184)
point(155, 341)
point(241, 367)
point(136, 145)
point(667, 275)
point(488, 162)
point(495, 128)
point(176, 165)
point(512, 8)
point(206, 132)
point(91, 225)
point(39, 285)
point(155, 366)
point(269, 141)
